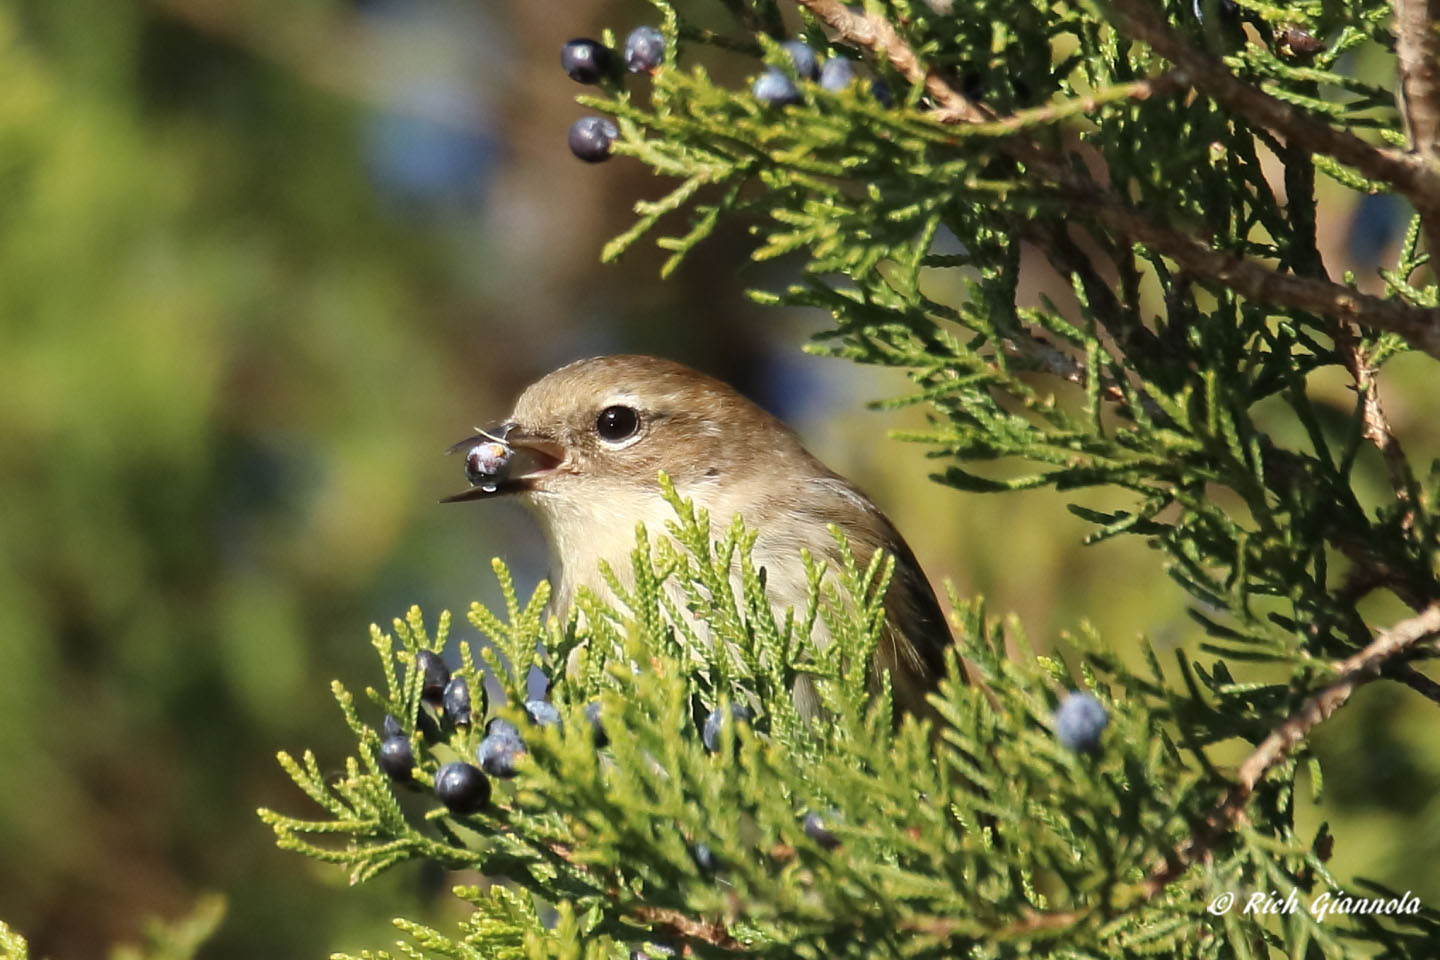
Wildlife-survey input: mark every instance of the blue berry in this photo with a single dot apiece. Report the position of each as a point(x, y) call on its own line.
point(391, 727)
point(592, 713)
point(815, 829)
point(1079, 721)
point(586, 61)
point(500, 749)
point(542, 714)
point(591, 137)
point(715, 722)
point(807, 66)
point(395, 757)
point(704, 859)
point(837, 74)
point(436, 675)
point(650, 951)
point(776, 89)
point(644, 50)
point(880, 90)
point(461, 787)
point(457, 702)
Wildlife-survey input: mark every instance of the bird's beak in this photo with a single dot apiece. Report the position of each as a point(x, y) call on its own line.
point(533, 456)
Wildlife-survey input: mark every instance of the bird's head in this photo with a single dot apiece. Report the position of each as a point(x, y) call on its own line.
point(600, 431)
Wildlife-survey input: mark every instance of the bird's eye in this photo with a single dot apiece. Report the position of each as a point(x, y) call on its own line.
point(617, 423)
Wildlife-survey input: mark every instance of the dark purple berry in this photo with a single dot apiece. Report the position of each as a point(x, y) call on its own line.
point(644, 50)
point(586, 61)
point(499, 727)
point(486, 461)
point(391, 727)
point(395, 757)
point(715, 723)
point(1079, 721)
point(500, 749)
point(592, 713)
point(815, 829)
point(837, 74)
point(461, 787)
point(436, 675)
point(457, 702)
point(776, 89)
point(807, 66)
point(591, 137)
point(880, 90)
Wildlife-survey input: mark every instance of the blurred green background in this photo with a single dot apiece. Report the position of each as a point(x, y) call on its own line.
point(260, 262)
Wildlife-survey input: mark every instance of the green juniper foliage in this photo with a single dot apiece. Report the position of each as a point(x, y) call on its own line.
point(1164, 160)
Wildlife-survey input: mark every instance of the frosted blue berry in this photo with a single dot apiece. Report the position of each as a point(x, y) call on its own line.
point(435, 676)
point(592, 713)
point(837, 74)
point(500, 750)
point(461, 787)
point(457, 702)
point(542, 714)
point(815, 829)
point(644, 50)
point(591, 137)
point(776, 89)
point(501, 728)
point(586, 61)
point(650, 951)
point(715, 723)
point(396, 758)
point(1079, 721)
point(807, 65)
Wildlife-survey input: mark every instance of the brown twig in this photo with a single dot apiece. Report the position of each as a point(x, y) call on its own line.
point(1374, 422)
point(1417, 50)
point(686, 926)
point(1410, 174)
point(1419, 325)
point(1353, 672)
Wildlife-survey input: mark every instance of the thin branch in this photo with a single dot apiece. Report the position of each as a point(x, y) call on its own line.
point(1353, 672)
point(1417, 49)
point(1415, 680)
point(683, 925)
point(1418, 325)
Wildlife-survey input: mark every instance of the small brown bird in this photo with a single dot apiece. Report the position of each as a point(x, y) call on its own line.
point(589, 441)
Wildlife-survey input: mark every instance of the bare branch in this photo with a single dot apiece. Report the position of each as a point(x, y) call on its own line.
point(1417, 48)
point(1354, 672)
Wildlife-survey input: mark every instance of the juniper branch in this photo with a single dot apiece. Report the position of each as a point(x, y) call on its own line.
point(1353, 673)
point(1415, 175)
point(1420, 326)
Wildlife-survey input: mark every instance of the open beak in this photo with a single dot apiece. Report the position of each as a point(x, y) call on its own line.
point(532, 456)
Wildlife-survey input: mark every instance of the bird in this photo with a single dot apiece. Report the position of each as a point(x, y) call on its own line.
point(589, 442)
